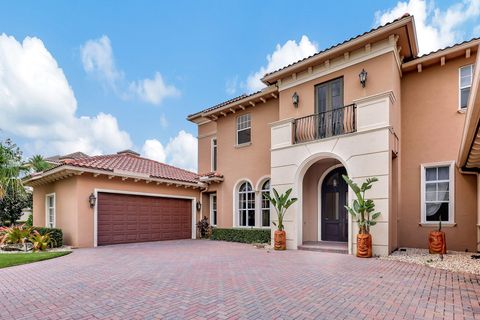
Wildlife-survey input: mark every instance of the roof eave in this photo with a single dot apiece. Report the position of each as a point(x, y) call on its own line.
point(74, 170)
point(472, 119)
point(273, 77)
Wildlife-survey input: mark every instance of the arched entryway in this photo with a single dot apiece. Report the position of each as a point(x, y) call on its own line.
point(332, 214)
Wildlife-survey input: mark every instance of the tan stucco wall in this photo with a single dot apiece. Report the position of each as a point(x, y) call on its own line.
point(382, 74)
point(74, 215)
point(250, 162)
point(206, 132)
point(310, 198)
point(431, 132)
point(65, 206)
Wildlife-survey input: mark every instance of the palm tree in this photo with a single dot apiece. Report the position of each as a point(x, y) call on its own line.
point(11, 168)
point(38, 164)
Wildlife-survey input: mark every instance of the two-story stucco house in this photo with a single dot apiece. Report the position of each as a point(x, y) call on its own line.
point(369, 106)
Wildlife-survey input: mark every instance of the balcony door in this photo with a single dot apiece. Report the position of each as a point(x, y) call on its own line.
point(329, 107)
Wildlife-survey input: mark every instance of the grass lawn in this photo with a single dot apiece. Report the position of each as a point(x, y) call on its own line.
point(15, 259)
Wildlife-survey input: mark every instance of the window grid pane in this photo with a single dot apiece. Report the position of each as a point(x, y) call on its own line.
point(246, 205)
point(437, 193)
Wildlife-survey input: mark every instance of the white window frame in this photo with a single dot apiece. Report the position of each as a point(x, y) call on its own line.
point(261, 208)
point(464, 87)
point(451, 187)
point(47, 210)
point(213, 149)
point(237, 210)
point(212, 209)
point(237, 130)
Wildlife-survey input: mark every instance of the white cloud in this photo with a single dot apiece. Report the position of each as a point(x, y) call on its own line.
point(231, 85)
point(153, 90)
point(180, 151)
point(153, 149)
point(163, 121)
point(435, 28)
point(37, 103)
point(98, 60)
point(284, 55)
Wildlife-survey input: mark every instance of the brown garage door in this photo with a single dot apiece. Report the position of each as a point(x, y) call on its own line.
point(129, 218)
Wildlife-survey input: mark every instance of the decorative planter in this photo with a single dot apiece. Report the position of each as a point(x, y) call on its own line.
point(437, 243)
point(364, 245)
point(280, 240)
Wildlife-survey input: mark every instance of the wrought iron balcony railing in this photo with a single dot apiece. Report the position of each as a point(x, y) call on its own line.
point(325, 124)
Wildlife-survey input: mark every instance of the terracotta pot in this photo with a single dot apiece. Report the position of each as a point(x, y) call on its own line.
point(364, 245)
point(437, 243)
point(280, 240)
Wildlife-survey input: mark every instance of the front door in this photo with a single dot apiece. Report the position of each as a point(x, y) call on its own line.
point(334, 215)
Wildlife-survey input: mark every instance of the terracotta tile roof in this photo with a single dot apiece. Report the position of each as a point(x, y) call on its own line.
point(224, 103)
point(449, 47)
point(74, 155)
point(406, 15)
point(129, 163)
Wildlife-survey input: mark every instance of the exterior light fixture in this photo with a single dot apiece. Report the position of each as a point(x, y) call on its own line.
point(363, 77)
point(92, 200)
point(295, 99)
point(199, 206)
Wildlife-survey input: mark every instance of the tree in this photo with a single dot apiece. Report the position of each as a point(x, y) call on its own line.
point(12, 205)
point(11, 168)
point(38, 164)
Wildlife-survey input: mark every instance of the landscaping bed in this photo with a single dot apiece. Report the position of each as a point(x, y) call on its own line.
point(453, 261)
point(15, 259)
point(241, 235)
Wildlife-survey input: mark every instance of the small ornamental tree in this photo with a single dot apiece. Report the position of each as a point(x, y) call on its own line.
point(362, 209)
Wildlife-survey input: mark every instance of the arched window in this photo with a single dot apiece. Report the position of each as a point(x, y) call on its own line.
point(246, 205)
point(265, 209)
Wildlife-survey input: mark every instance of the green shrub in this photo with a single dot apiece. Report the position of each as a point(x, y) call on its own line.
point(241, 235)
point(56, 235)
point(29, 222)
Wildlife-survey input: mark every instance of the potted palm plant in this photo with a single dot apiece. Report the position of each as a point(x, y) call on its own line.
point(362, 211)
point(281, 202)
point(436, 240)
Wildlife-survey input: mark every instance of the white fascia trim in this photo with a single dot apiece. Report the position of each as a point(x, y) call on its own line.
point(111, 173)
point(159, 195)
point(343, 65)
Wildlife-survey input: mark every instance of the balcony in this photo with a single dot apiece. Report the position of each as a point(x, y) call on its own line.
point(325, 124)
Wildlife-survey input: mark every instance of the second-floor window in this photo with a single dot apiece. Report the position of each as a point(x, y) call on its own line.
point(244, 129)
point(465, 84)
point(214, 154)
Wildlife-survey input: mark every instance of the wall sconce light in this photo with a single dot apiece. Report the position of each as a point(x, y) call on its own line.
point(363, 77)
point(199, 206)
point(295, 99)
point(92, 200)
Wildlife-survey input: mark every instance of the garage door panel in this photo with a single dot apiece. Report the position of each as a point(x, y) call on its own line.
point(131, 218)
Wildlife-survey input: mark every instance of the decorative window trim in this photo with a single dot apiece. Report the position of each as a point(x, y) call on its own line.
point(464, 87)
point(451, 187)
point(213, 150)
point(212, 209)
point(47, 210)
point(237, 130)
point(261, 208)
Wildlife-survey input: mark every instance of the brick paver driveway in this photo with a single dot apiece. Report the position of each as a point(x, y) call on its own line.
point(206, 279)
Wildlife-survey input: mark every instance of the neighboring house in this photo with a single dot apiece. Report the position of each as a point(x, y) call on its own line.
point(369, 106)
point(117, 198)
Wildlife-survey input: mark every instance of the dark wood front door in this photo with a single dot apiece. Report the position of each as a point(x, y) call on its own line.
point(334, 198)
point(124, 218)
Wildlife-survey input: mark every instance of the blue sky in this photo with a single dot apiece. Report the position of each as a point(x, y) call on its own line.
point(136, 69)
